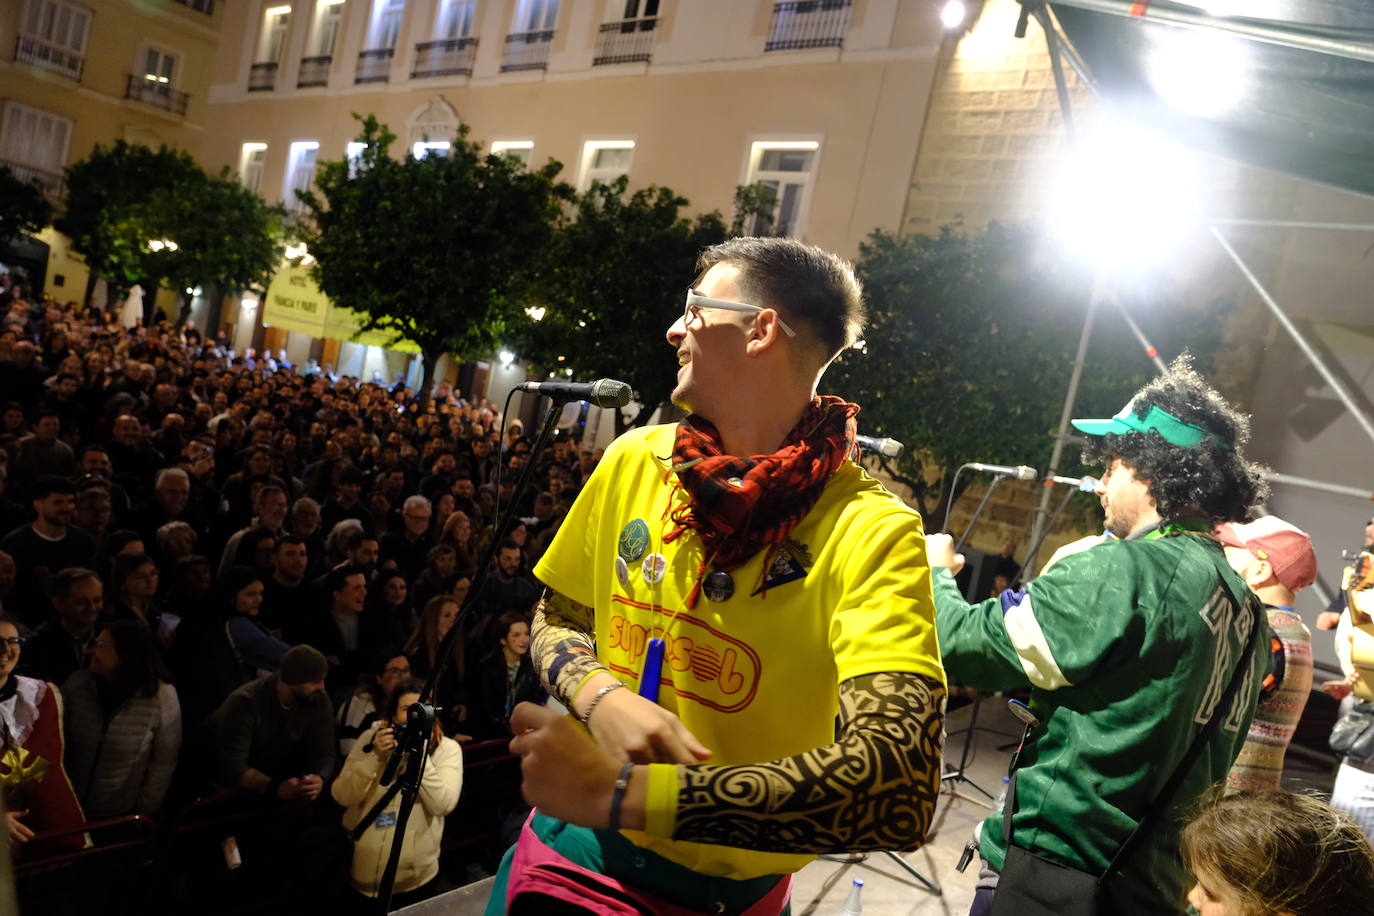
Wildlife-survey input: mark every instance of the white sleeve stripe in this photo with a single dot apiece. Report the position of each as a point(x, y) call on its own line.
point(1029, 642)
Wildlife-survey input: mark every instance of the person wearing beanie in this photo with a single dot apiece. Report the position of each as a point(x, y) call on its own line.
point(1277, 561)
point(275, 736)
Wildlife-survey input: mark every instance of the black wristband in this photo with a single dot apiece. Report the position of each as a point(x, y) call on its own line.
point(622, 783)
point(273, 785)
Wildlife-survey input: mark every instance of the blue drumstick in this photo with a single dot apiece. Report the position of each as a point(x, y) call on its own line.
point(653, 667)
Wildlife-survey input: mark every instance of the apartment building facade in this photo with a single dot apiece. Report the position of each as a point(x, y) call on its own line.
point(77, 73)
point(823, 99)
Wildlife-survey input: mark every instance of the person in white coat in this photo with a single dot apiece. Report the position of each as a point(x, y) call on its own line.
point(358, 788)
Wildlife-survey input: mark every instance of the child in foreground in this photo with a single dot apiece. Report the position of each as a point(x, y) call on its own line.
point(1277, 854)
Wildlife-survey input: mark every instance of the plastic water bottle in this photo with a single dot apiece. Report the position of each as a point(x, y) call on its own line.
point(854, 903)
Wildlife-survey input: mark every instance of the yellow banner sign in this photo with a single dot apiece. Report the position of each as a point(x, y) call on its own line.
point(295, 302)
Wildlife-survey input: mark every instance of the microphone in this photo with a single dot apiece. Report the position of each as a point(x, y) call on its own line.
point(1020, 472)
point(604, 392)
point(1086, 484)
point(888, 448)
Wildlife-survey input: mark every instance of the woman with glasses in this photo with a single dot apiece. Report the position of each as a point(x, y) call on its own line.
point(358, 788)
point(37, 794)
point(368, 703)
point(123, 724)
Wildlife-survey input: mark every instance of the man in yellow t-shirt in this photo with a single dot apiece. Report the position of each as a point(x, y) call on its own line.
point(773, 592)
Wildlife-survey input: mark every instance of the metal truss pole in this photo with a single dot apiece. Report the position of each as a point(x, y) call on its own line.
point(1293, 332)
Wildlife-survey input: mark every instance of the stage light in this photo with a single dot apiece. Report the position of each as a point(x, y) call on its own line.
point(952, 15)
point(1198, 73)
point(1124, 199)
point(506, 358)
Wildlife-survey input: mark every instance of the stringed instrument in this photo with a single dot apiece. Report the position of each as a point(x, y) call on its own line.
point(1358, 584)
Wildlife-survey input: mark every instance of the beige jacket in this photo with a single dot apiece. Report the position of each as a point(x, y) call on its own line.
point(358, 787)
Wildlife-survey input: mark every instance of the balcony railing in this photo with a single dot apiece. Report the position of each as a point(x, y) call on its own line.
point(625, 42)
point(50, 183)
point(451, 57)
point(159, 95)
point(527, 51)
point(374, 66)
point(808, 24)
point(262, 77)
point(49, 57)
point(314, 71)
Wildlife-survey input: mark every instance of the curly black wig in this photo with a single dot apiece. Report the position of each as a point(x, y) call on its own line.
point(1212, 478)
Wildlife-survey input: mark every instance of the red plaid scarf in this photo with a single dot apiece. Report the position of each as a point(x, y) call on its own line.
point(739, 506)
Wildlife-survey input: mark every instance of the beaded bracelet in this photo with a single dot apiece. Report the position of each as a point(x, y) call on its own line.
point(600, 694)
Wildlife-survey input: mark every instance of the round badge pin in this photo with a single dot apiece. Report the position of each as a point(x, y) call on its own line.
point(653, 568)
point(622, 571)
point(634, 540)
point(719, 586)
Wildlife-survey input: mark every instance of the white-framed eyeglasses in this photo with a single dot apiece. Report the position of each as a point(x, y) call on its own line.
point(697, 301)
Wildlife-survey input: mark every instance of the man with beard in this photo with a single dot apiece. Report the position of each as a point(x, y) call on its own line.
point(275, 736)
point(1129, 650)
point(49, 543)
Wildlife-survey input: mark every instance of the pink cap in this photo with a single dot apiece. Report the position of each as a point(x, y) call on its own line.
point(1287, 549)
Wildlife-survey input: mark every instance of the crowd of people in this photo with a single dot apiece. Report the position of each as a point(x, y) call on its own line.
point(228, 574)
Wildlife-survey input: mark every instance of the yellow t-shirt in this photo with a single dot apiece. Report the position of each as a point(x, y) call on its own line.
point(753, 677)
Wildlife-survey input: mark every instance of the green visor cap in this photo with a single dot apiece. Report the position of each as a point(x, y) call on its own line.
point(1174, 430)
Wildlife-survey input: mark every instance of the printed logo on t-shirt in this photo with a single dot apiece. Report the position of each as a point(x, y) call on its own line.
point(699, 662)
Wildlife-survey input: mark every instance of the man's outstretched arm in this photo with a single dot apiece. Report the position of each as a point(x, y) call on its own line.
point(874, 788)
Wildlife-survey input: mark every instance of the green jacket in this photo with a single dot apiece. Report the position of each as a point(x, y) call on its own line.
point(1127, 647)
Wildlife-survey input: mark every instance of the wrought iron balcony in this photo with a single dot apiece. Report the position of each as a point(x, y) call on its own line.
point(314, 71)
point(49, 57)
point(450, 57)
point(527, 51)
point(50, 183)
point(159, 95)
point(625, 42)
point(262, 77)
point(801, 24)
point(374, 66)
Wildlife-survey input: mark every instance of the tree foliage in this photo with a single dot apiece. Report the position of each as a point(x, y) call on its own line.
point(226, 235)
point(107, 200)
point(437, 251)
point(969, 346)
point(122, 197)
point(23, 208)
point(613, 280)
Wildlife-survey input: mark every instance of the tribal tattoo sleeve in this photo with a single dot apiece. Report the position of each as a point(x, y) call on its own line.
point(562, 644)
point(873, 789)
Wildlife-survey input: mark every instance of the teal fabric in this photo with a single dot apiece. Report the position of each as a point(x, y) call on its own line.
point(1144, 631)
point(607, 852)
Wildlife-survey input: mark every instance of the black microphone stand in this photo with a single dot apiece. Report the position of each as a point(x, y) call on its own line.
point(960, 773)
point(413, 742)
point(1044, 533)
